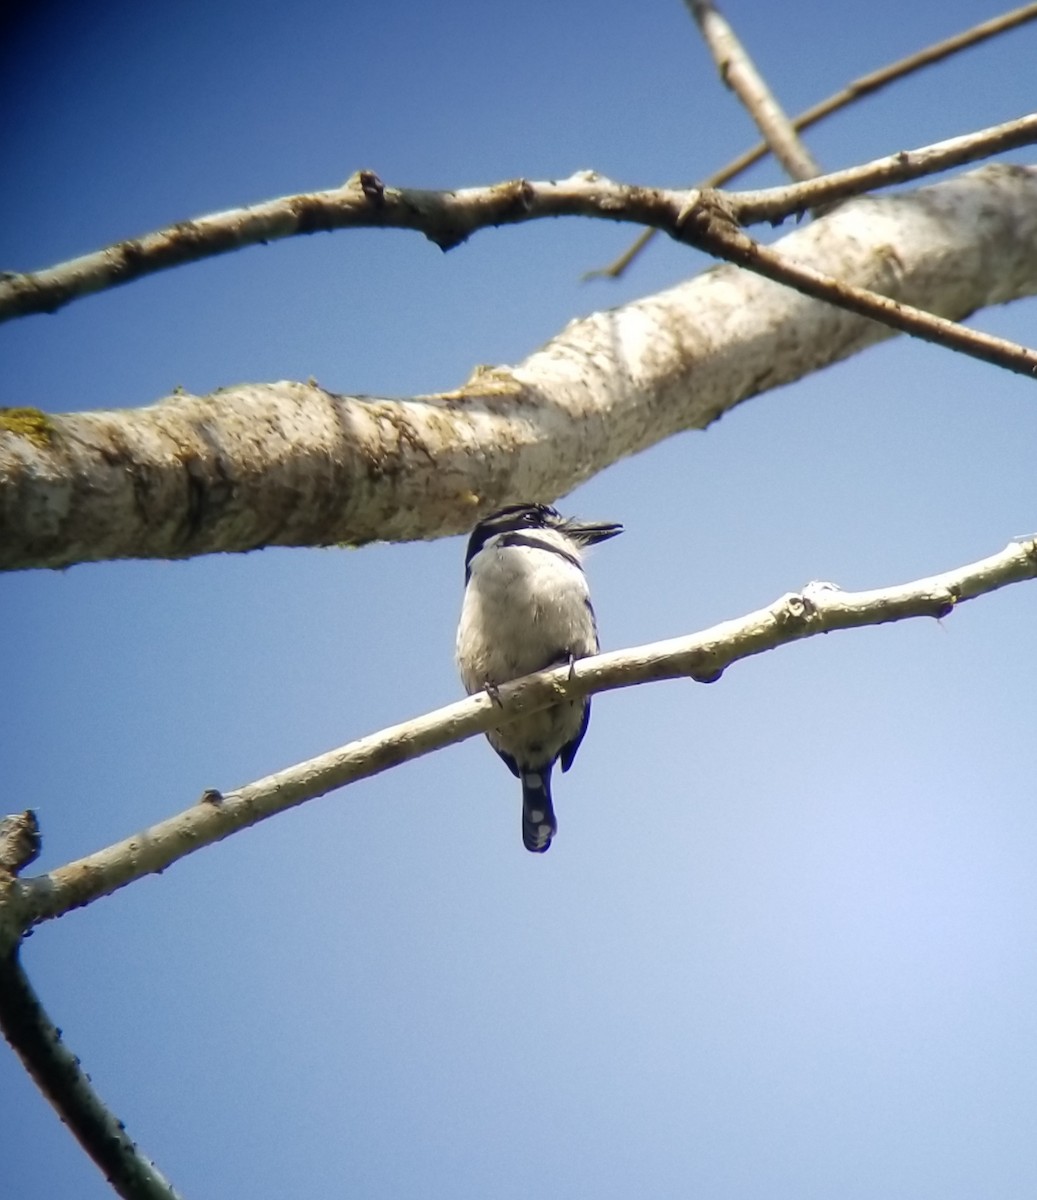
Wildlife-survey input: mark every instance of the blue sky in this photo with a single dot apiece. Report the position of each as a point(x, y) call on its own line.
point(784, 944)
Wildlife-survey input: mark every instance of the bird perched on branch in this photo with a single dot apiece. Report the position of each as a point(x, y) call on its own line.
point(526, 608)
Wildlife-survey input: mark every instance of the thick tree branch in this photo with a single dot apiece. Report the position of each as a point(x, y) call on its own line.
point(449, 218)
point(59, 1076)
point(190, 475)
point(819, 608)
point(739, 73)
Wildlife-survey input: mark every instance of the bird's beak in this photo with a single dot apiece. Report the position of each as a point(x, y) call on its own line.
point(588, 533)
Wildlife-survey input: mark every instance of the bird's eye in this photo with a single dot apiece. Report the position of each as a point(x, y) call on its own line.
point(529, 517)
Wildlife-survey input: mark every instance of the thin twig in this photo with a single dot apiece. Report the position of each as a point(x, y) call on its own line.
point(874, 80)
point(775, 204)
point(449, 218)
point(819, 608)
point(709, 227)
point(863, 86)
point(739, 73)
point(59, 1076)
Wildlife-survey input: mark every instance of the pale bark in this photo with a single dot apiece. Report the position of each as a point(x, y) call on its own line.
point(820, 608)
point(864, 85)
point(739, 73)
point(448, 218)
point(292, 464)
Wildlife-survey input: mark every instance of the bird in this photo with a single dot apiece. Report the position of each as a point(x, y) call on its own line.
point(527, 608)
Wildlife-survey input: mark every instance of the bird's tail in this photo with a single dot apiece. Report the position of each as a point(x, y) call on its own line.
point(538, 815)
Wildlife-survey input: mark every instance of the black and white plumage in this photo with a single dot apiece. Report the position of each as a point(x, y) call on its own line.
point(526, 608)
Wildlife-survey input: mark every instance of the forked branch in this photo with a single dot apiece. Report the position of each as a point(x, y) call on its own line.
point(864, 85)
point(449, 218)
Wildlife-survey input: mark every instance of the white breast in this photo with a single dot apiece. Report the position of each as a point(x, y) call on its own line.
point(524, 609)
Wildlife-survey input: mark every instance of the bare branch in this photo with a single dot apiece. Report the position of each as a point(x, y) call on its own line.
point(819, 608)
point(449, 218)
point(617, 267)
point(34, 1038)
point(711, 228)
point(777, 203)
point(188, 476)
point(862, 86)
point(740, 74)
point(865, 85)
point(63, 1081)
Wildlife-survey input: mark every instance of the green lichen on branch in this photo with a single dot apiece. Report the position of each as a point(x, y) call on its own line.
point(30, 423)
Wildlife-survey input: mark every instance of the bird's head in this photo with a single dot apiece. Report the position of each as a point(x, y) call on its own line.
point(529, 518)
